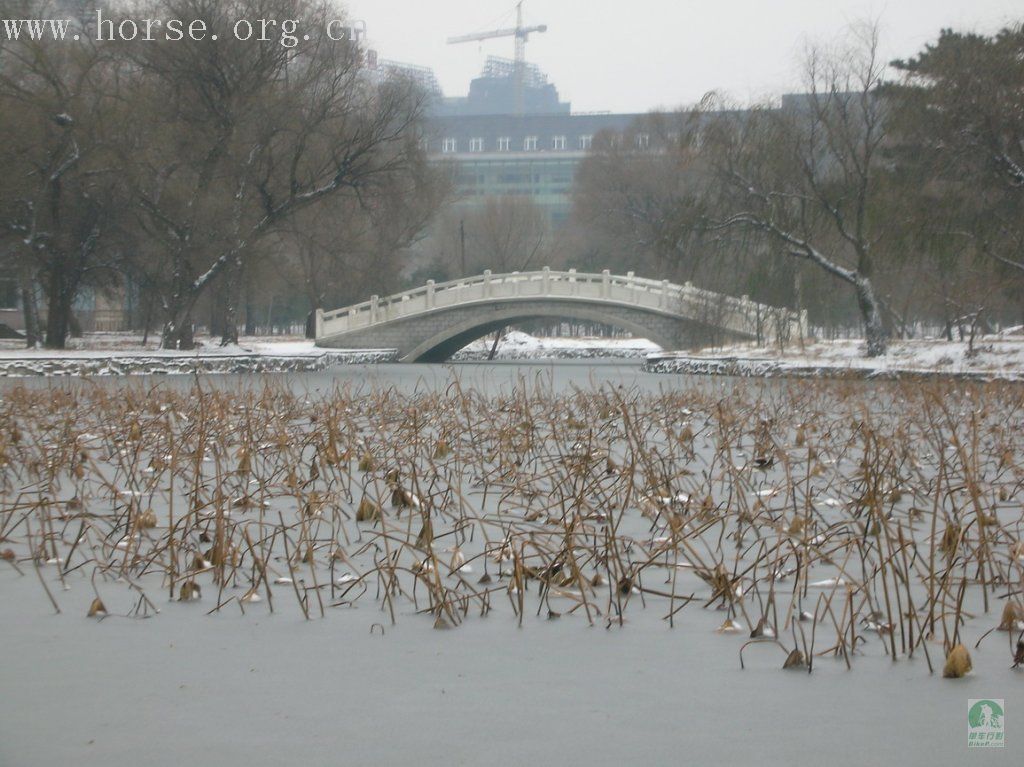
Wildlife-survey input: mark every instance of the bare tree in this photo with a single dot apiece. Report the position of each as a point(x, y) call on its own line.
point(640, 193)
point(251, 134)
point(642, 198)
point(353, 245)
point(62, 193)
point(505, 234)
point(808, 175)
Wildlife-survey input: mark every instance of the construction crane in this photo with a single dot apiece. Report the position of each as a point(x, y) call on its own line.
point(521, 34)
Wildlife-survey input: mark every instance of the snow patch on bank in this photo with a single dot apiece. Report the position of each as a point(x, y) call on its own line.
point(994, 357)
point(516, 345)
point(104, 357)
point(103, 345)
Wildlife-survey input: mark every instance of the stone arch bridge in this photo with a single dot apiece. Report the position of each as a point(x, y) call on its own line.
point(430, 323)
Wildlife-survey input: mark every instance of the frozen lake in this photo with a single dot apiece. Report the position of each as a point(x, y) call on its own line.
point(251, 687)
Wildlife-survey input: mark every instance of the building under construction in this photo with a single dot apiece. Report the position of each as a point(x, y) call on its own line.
point(513, 136)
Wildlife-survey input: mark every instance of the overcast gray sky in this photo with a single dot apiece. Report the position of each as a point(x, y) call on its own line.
point(635, 55)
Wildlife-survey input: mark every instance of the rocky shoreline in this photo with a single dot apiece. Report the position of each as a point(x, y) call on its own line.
point(116, 364)
point(568, 353)
point(740, 367)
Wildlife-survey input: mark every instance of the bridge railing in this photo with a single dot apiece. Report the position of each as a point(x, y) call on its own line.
point(739, 315)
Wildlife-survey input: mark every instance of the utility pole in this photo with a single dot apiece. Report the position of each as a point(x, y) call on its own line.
point(462, 245)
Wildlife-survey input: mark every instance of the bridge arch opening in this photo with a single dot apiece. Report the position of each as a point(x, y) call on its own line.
point(446, 343)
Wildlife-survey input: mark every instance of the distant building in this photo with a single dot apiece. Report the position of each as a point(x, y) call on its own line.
point(499, 153)
point(494, 92)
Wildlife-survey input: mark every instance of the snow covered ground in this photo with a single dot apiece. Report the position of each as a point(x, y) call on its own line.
point(96, 345)
point(996, 356)
point(516, 345)
point(120, 354)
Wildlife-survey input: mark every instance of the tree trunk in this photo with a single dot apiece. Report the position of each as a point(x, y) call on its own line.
point(871, 312)
point(30, 309)
point(147, 319)
point(178, 332)
point(316, 301)
point(58, 310)
point(494, 346)
point(229, 331)
point(215, 319)
point(232, 297)
point(250, 309)
point(178, 335)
